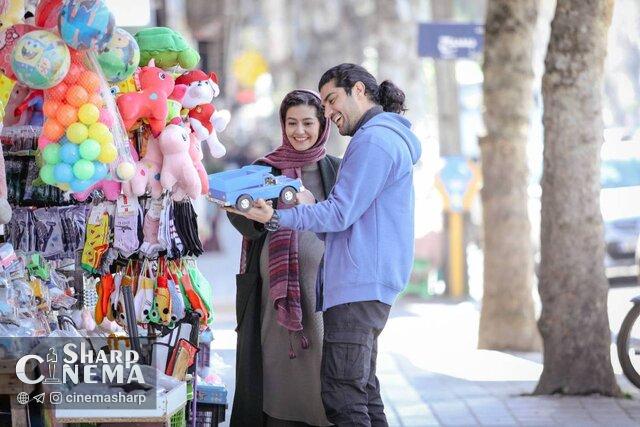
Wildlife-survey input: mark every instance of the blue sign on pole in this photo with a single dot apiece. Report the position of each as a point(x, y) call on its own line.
point(450, 41)
point(456, 177)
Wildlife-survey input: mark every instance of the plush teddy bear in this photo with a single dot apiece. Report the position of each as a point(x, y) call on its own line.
point(203, 117)
point(178, 173)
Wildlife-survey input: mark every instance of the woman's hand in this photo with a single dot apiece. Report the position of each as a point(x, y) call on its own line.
point(304, 197)
point(260, 212)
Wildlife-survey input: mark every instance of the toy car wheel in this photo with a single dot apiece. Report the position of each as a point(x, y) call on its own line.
point(288, 195)
point(244, 203)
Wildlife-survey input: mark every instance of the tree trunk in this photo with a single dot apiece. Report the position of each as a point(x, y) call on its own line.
point(507, 320)
point(573, 286)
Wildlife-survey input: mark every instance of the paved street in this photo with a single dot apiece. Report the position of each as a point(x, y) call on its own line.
point(431, 371)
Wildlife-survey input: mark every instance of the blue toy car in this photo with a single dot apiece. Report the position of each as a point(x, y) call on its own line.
point(240, 187)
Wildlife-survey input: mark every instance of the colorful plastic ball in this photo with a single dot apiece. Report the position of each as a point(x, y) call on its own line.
point(40, 59)
point(77, 132)
point(63, 173)
point(69, 153)
point(51, 154)
point(86, 24)
point(100, 171)
point(74, 73)
point(108, 153)
point(50, 108)
point(80, 185)
point(100, 132)
point(121, 56)
point(90, 81)
point(89, 114)
point(66, 115)
point(57, 92)
point(77, 95)
point(52, 130)
point(46, 174)
point(83, 169)
point(125, 171)
point(96, 99)
point(90, 149)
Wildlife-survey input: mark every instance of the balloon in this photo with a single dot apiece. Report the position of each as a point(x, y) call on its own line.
point(77, 95)
point(46, 175)
point(69, 153)
point(66, 114)
point(80, 185)
point(83, 169)
point(125, 171)
point(101, 133)
point(50, 107)
point(63, 173)
point(90, 149)
point(52, 130)
point(108, 153)
point(88, 114)
point(51, 154)
point(100, 171)
point(120, 58)
point(40, 59)
point(77, 132)
point(86, 24)
point(90, 81)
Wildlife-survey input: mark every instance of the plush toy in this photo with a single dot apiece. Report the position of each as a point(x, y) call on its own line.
point(5, 208)
point(203, 117)
point(178, 173)
point(195, 151)
point(151, 102)
point(12, 12)
point(167, 47)
point(17, 97)
point(147, 173)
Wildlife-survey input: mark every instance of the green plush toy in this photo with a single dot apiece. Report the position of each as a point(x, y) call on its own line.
point(167, 47)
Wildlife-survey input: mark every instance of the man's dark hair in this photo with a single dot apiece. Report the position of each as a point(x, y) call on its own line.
point(302, 97)
point(388, 95)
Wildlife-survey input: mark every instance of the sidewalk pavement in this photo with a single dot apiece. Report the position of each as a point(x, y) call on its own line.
point(430, 370)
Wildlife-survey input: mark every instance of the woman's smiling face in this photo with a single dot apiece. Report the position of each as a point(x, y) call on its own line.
point(301, 126)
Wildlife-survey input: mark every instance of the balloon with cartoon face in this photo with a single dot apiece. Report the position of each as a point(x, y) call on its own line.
point(86, 24)
point(40, 60)
point(120, 57)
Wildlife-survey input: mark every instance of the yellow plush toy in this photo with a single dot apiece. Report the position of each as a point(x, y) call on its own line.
point(12, 12)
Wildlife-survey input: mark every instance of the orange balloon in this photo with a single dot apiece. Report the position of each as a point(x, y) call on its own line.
point(74, 73)
point(52, 130)
point(66, 115)
point(96, 100)
point(77, 95)
point(57, 92)
point(50, 108)
point(90, 81)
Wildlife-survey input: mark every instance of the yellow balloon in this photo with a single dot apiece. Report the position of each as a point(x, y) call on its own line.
point(108, 153)
point(88, 114)
point(77, 133)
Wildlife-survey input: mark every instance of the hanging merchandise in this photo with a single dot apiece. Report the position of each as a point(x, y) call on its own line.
point(40, 59)
point(120, 57)
point(166, 47)
point(86, 24)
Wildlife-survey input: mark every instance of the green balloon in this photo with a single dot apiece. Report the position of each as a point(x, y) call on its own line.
point(51, 154)
point(90, 149)
point(83, 169)
point(46, 175)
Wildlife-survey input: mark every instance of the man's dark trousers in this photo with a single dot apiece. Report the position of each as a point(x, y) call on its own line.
point(350, 388)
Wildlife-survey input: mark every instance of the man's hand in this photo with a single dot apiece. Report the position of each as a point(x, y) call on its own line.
point(260, 212)
point(305, 197)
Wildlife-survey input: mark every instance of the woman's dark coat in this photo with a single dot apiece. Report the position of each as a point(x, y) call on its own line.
point(247, 401)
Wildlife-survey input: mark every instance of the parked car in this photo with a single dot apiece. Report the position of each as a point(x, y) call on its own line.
point(240, 187)
point(620, 206)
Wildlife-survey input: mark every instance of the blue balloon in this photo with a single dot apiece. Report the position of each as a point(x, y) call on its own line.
point(63, 173)
point(100, 171)
point(69, 153)
point(78, 185)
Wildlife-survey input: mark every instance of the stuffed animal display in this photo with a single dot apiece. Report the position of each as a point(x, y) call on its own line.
point(178, 172)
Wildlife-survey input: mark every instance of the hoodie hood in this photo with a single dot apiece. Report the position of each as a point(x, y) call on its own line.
point(402, 127)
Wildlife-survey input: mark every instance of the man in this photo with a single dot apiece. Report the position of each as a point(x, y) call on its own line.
point(368, 226)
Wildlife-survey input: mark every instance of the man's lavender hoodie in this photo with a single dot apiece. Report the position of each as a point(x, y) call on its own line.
point(368, 216)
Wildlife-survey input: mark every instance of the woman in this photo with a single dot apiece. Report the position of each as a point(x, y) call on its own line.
point(279, 332)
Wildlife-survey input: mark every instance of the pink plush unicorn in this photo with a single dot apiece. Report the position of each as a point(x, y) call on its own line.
point(195, 151)
point(151, 102)
point(147, 173)
point(178, 173)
